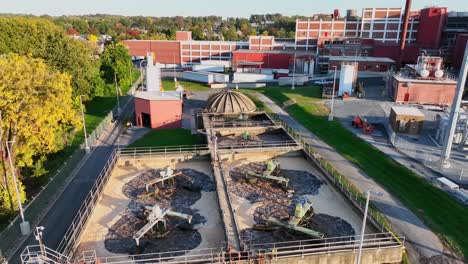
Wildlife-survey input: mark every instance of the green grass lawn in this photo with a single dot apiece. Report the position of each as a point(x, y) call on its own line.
point(167, 137)
point(168, 85)
point(437, 209)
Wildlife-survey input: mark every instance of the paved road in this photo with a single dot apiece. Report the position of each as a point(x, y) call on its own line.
point(422, 243)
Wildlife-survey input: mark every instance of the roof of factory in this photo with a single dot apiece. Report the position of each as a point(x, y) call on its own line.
point(361, 59)
point(408, 111)
point(159, 96)
point(412, 78)
point(279, 51)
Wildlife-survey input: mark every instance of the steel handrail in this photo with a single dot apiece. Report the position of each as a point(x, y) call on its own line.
point(341, 238)
point(301, 249)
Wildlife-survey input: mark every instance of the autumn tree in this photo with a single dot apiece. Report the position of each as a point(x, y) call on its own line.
point(40, 38)
point(37, 113)
point(116, 59)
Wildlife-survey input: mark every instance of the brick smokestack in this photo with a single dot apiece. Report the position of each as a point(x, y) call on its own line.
point(404, 32)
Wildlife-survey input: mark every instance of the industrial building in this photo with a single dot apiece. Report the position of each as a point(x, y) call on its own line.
point(455, 35)
point(424, 83)
point(155, 108)
point(407, 120)
point(378, 33)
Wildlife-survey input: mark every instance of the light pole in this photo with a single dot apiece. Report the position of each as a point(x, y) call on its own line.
point(38, 237)
point(368, 193)
point(24, 226)
point(117, 93)
point(87, 148)
point(142, 75)
point(330, 116)
point(131, 79)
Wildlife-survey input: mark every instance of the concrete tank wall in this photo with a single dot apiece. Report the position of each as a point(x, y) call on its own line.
point(370, 256)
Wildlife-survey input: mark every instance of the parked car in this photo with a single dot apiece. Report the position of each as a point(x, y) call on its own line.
point(323, 82)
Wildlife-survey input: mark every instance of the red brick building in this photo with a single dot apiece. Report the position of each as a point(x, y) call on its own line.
point(410, 89)
point(376, 34)
point(158, 110)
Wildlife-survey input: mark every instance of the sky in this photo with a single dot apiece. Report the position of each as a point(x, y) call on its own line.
point(224, 8)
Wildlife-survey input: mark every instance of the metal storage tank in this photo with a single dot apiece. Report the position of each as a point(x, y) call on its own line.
point(347, 74)
point(153, 75)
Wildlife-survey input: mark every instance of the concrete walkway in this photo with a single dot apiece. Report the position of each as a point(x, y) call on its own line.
point(421, 242)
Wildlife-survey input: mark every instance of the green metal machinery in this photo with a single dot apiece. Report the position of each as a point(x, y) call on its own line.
point(300, 212)
point(156, 215)
point(272, 165)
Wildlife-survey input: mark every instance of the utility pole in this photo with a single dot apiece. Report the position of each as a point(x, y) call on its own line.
point(117, 93)
point(361, 241)
point(330, 116)
point(131, 79)
point(142, 74)
point(38, 237)
point(24, 225)
point(447, 148)
point(87, 148)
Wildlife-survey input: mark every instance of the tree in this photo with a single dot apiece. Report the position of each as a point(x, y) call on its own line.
point(81, 25)
point(230, 33)
point(42, 39)
point(134, 32)
point(116, 59)
point(72, 32)
point(37, 113)
point(92, 38)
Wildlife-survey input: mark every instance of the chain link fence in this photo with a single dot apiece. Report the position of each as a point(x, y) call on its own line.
point(424, 151)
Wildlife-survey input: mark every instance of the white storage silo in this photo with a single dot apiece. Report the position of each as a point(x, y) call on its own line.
point(346, 79)
point(153, 75)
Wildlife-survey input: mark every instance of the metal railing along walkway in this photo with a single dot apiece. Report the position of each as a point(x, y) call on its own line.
point(169, 150)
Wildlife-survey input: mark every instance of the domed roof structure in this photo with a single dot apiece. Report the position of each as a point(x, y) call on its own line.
point(230, 102)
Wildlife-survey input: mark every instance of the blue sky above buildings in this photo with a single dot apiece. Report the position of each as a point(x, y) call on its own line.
point(238, 8)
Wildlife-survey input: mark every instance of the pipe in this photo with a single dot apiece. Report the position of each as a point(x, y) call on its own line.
point(404, 32)
point(300, 229)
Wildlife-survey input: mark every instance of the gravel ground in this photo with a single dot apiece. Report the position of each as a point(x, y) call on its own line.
point(301, 182)
point(179, 195)
point(331, 226)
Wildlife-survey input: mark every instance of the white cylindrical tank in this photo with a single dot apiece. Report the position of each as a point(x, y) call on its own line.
point(424, 73)
point(439, 73)
point(346, 80)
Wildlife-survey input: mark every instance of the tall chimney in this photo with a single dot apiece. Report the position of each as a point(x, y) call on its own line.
point(403, 34)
